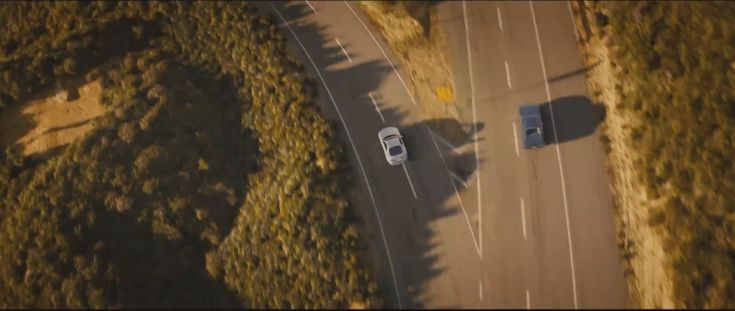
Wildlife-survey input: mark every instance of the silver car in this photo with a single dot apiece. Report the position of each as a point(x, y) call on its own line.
point(393, 147)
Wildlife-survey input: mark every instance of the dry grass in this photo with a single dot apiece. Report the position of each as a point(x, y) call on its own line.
point(423, 57)
point(640, 245)
point(50, 121)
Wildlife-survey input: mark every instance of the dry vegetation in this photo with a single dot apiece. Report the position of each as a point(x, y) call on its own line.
point(639, 243)
point(414, 34)
point(55, 121)
point(212, 181)
point(666, 77)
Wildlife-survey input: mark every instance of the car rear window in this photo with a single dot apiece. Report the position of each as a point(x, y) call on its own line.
point(395, 150)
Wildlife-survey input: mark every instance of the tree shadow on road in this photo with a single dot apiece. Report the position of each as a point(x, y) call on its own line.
point(573, 73)
point(405, 220)
point(455, 133)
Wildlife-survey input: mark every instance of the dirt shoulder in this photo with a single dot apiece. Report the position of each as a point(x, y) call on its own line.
point(55, 118)
point(640, 245)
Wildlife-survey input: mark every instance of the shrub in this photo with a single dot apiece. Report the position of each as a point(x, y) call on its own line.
point(261, 223)
point(674, 54)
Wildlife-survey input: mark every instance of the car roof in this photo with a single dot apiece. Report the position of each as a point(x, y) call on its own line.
point(532, 122)
point(531, 116)
point(392, 140)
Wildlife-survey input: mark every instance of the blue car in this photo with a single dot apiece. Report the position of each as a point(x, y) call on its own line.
point(532, 126)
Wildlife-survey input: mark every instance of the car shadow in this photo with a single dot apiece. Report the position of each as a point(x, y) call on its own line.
point(575, 117)
point(404, 219)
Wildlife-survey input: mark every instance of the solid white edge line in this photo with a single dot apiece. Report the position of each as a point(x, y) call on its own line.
point(376, 106)
point(464, 184)
point(474, 118)
point(312, 7)
point(441, 140)
point(352, 144)
point(500, 19)
point(528, 300)
point(571, 15)
point(413, 100)
point(507, 74)
point(515, 138)
point(343, 50)
point(478, 246)
point(409, 180)
point(523, 218)
point(558, 156)
point(464, 211)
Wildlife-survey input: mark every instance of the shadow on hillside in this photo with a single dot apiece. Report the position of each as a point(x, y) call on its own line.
point(575, 117)
point(180, 277)
point(405, 220)
point(110, 44)
point(158, 269)
point(13, 125)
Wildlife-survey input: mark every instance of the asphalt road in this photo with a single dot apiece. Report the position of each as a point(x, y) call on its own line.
point(527, 228)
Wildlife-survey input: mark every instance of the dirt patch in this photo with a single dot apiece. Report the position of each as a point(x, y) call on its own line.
point(54, 119)
point(640, 245)
point(413, 31)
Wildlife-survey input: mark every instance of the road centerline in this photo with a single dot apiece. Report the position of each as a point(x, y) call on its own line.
point(343, 50)
point(500, 19)
point(507, 74)
point(558, 155)
point(481, 294)
point(354, 149)
point(408, 177)
point(515, 138)
point(376, 106)
point(528, 300)
point(413, 100)
point(523, 218)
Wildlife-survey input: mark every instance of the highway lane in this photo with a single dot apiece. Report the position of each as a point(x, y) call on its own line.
point(567, 201)
point(428, 257)
point(435, 247)
point(599, 274)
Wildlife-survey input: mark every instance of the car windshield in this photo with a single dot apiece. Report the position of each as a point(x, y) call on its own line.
point(531, 131)
point(395, 150)
point(389, 137)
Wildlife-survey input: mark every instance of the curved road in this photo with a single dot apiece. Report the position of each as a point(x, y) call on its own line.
point(522, 228)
